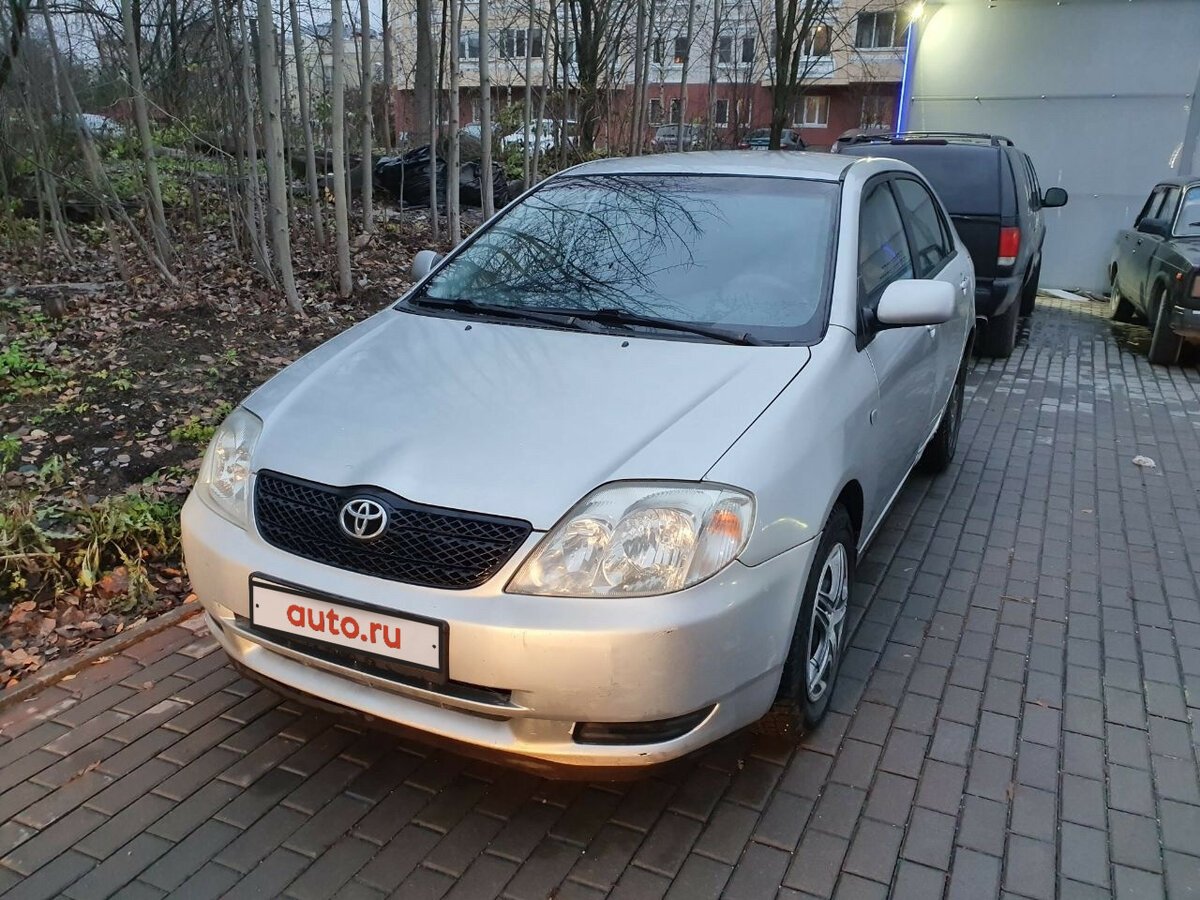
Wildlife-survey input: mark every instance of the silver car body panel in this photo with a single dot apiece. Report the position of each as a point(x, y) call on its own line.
point(522, 422)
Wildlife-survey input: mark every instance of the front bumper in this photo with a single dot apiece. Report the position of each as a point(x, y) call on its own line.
point(994, 296)
point(546, 663)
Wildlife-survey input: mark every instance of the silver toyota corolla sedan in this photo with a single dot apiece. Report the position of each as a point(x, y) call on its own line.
point(593, 491)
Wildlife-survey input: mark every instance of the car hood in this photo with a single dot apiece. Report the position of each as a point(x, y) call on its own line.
point(509, 420)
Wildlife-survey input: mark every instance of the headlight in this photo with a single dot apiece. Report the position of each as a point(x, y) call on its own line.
point(224, 480)
point(639, 539)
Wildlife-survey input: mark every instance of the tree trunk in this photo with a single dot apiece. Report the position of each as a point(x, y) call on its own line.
point(158, 221)
point(527, 113)
point(368, 135)
point(268, 70)
point(423, 83)
point(485, 109)
point(341, 206)
point(254, 213)
point(713, 58)
point(453, 222)
point(388, 110)
point(683, 79)
point(310, 158)
point(639, 75)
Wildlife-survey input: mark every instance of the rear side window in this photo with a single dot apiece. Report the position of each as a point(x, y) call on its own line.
point(1152, 203)
point(1189, 216)
point(929, 244)
point(1170, 204)
point(883, 254)
point(965, 177)
point(1034, 185)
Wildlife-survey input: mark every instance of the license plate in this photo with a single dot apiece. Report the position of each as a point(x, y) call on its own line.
point(294, 611)
point(761, 147)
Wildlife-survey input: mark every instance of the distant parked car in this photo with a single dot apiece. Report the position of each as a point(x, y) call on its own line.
point(992, 191)
point(1156, 268)
point(100, 126)
point(760, 139)
point(551, 132)
point(666, 138)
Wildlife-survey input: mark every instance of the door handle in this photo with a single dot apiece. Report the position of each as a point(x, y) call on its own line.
point(932, 329)
point(964, 284)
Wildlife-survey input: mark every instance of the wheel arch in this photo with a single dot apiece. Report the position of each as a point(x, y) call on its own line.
point(852, 499)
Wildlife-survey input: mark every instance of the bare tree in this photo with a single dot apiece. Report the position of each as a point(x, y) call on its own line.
point(683, 79)
point(158, 221)
point(453, 222)
point(388, 77)
point(485, 108)
point(341, 206)
point(424, 82)
point(368, 137)
point(310, 159)
point(281, 241)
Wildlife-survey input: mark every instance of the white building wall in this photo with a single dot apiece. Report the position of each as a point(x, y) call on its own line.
point(1100, 93)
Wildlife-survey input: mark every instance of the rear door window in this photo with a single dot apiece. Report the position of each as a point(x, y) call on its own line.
point(883, 252)
point(1153, 203)
point(930, 248)
point(1170, 204)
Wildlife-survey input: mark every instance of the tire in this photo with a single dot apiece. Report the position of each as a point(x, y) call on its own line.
point(1119, 308)
point(1000, 334)
point(809, 673)
point(1165, 345)
point(940, 451)
point(1029, 291)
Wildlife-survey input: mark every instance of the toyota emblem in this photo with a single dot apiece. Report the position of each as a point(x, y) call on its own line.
point(363, 519)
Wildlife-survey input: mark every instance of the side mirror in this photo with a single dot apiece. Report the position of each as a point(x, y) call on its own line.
point(1055, 196)
point(423, 262)
point(912, 302)
point(1160, 227)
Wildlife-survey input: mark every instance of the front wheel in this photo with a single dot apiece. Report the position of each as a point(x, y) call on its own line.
point(1165, 345)
point(820, 636)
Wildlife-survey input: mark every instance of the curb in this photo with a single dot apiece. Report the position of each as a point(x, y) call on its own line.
point(56, 671)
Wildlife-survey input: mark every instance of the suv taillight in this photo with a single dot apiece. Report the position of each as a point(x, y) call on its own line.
point(1010, 245)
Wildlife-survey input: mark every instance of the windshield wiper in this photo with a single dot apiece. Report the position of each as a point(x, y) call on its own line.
point(614, 316)
point(517, 313)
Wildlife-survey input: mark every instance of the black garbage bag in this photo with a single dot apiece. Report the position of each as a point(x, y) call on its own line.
point(407, 177)
point(470, 185)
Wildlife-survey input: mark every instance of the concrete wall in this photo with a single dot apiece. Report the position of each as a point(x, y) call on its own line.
point(1100, 93)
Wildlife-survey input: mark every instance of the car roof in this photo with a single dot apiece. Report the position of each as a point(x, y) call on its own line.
point(1178, 181)
point(813, 166)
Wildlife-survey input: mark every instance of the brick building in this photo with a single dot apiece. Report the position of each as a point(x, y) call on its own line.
point(851, 68)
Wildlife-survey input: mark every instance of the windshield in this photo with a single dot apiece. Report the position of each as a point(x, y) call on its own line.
point(743, 253)
point(1188, 224)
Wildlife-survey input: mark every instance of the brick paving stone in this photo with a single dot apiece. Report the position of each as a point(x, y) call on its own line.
point(706, 879)
point(974, 875)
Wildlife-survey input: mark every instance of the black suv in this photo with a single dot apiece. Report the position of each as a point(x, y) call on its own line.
point(991, 191)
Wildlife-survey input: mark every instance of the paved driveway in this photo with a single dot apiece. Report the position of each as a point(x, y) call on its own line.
point(1016, 713)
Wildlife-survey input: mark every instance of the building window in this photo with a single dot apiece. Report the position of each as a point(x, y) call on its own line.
point(511, 42)
point(675, 110)
point(537, 45)
point(721, 113)
point(655, 110)
point(725, 49)
point(816, 42)
point(744, 110)
point(814, 111)
point(681, 50)
point(468, 46)
point(877, 30)
point(878, 111)
point(747, 49)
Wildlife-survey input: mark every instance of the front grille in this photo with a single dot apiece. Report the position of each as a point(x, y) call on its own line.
point(423, 545)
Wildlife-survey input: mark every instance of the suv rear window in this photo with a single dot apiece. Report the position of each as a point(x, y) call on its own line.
point(966, 177)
